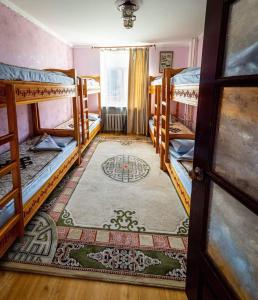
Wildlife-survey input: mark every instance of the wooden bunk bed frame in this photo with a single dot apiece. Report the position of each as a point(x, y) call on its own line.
point(87, 136)
point(13, 93)
point(168, 95)
point(156, 91)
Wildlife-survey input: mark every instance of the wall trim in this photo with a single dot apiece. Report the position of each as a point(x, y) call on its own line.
point(33, 20)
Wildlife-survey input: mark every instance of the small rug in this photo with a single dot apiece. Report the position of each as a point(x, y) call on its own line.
point(116, 217)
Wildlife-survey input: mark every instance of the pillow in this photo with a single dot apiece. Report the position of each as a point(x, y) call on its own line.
point(188, 156)
point(93, 117)
point(46, 143)
point(62, 141)
point(182, 146)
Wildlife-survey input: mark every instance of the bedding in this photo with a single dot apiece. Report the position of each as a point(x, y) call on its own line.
point(93, 117)
point(69, 124)
point(36, 169)
point(62, 141)
point(182, 145)
point(182, 169)
point(189, 76)
point(182, 149)
point(9, 72)
point(46, 143)
point(151, 125)
point(92, 83)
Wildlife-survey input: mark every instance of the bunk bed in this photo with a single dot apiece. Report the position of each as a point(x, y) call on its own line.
point(181, 87)
point(90, 123)
point(27, 177)
point(154, 119)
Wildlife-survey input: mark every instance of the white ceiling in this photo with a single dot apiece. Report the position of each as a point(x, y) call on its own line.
point(84, 22)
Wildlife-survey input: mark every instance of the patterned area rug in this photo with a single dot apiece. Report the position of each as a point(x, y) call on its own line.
point(124, 246)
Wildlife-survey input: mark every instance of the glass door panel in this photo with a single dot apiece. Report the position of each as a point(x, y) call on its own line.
point(232, 242)
point(241, 56)
point(236, 149)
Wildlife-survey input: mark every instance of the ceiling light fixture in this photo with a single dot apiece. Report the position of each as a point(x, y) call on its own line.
point(128, 7)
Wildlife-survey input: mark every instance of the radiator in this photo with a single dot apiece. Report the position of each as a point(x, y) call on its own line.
point(114, 119)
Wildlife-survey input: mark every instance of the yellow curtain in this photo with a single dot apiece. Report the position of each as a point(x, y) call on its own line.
point(137, 120)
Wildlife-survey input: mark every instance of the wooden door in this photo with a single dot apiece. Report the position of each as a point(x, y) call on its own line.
point(223, 237)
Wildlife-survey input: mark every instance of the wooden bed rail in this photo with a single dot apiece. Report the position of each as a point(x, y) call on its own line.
point(95, 77)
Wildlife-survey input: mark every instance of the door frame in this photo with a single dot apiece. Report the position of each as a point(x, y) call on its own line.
point(201, 271)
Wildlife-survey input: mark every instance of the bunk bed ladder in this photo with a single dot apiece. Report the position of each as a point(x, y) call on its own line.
point(165, 118)
point(84, 111)
point(15, 225)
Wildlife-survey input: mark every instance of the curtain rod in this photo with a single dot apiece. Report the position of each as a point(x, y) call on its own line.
point(122, 47)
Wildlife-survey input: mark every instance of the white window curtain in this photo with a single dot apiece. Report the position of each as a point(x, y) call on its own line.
point(114, 65)
point(114, 68)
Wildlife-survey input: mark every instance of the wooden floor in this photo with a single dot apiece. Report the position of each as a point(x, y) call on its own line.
point(21, 286)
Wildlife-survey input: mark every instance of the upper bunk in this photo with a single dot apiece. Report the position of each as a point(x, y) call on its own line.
point(185, 86)
point(31, 85)
point(93, 84)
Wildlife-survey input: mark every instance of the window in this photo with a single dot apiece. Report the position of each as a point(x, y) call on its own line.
point(114, 65)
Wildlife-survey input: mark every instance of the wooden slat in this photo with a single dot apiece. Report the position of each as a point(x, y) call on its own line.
point(8, 168)
point(8, 197)
point(9, 225)
point(6, 138)
point(163, 103)
point(188, 136)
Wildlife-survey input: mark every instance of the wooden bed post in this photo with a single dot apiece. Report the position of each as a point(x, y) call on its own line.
point(81, 110)
point(157, 117)
point(15, 158)
point(163, 123)
point(168, 99)
point(77, 126)
point(99, 104)
point(35, 118)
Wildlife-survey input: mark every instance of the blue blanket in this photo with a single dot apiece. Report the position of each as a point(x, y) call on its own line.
point(9, 72)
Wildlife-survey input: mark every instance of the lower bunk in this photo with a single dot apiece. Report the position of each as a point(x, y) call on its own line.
point(41, 171)
point(179, 167)
point(95, 126)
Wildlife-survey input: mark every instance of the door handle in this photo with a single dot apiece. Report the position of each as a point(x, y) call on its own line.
point(196, 174)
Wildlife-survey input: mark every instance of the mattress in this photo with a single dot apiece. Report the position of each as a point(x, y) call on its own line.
point(189, 76)
point(182, 169)
point(9, 72)
point(36, 169)
point(69, 124)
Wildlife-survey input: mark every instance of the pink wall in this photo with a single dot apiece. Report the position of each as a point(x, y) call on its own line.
point(180, 58)
point(87, 62)
point(25, 44)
